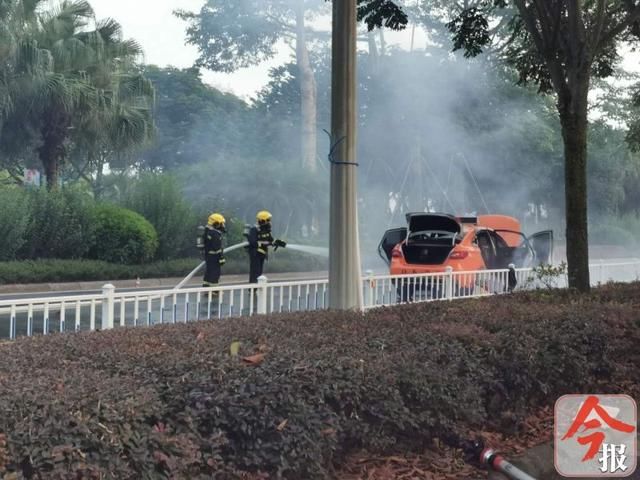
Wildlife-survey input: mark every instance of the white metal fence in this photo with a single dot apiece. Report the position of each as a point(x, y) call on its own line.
point(384, 290)
point(109, 309)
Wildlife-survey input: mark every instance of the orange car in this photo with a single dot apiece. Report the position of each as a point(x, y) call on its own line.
point(431, 242)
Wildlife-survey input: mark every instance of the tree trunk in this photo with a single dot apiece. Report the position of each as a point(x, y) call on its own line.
point(52, 151)
point(572, 106)
point(383, 43)
point(49, 159)
point(373, 53)
point(98, 184)
point(307, 94)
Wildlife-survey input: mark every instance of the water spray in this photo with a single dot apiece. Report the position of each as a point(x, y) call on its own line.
point(319, 251)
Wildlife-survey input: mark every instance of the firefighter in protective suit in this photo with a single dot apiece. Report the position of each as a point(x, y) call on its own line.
point(260, 239)
point(213, 249)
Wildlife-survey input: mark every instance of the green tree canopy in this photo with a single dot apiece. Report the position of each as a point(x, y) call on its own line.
point(195, 122)
point(561, 46)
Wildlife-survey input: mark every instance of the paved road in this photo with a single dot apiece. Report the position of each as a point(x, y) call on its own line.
point(13, 292)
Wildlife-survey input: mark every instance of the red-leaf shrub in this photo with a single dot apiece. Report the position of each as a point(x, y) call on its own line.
point(171, 402)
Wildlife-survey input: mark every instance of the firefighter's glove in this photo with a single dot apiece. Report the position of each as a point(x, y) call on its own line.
point(279, 243)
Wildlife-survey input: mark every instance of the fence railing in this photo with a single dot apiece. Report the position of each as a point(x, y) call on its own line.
point(384, 290)
point(109, 309)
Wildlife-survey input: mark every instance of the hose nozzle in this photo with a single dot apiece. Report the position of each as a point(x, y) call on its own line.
point(494, 461)
point(476, 450)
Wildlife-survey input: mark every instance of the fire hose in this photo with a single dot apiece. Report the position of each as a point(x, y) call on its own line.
point(319, 251)
point(195, 270)
point(490, 458)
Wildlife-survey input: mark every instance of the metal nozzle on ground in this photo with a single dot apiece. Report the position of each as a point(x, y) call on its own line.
point(476, 451)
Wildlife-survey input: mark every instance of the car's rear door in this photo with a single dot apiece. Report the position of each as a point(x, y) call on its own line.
point(542, 244)
point(389, 240)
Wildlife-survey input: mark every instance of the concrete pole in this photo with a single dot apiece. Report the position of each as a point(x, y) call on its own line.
point(345, 283)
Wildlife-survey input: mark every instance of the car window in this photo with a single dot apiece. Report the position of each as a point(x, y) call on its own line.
point(484, 243)
point(498, 240)
point(431, 234)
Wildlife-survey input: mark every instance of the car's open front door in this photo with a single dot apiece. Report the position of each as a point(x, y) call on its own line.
point(542, 244)
point(515, 248)
point(389, 240)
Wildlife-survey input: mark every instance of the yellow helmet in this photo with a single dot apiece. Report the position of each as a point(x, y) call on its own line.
point(263, 216)
point(216, 219)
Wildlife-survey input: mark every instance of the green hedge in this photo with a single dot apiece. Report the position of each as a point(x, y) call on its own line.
point(122, 236)
point(150, 221)
point(68, 224)
point(157, 197)
point(14, 222)
point(44, 271)
point(59, 224)
point(172, 402)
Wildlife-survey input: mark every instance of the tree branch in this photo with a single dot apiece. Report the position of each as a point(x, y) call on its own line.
point(16, 176)
point(82, 171)
point(555, 68)
point(576, 35)
point(632, 17)
point(530, 22)
point(287, 27)
point(544, 21)
point(599, 25)
point(557, 15)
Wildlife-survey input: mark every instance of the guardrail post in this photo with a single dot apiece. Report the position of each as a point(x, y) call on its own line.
point(12, 323)
point(448, 283)
point(108, 302)
point(368, 290)
point(261, 290)
point(512, 279)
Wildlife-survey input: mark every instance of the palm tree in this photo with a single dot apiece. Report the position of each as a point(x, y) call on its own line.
point(122, 119)
point(75, 82)
point(20, 60)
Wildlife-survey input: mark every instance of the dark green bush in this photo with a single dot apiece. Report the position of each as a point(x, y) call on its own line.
point(170, 401)
point(122, 236)
point(46, 271)
point(14, 221)
point(50, 270)
point(61, 225)
point(158, 199)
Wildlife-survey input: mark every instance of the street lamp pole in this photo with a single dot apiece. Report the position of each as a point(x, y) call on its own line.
point(345, 285)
